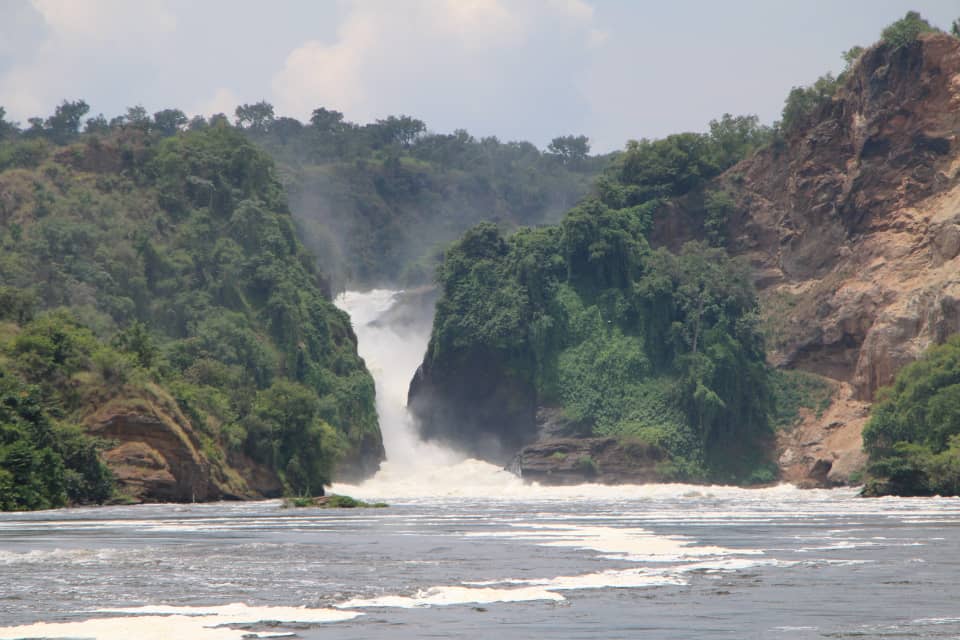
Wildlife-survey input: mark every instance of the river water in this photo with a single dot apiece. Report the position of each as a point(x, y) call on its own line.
point(467, 550)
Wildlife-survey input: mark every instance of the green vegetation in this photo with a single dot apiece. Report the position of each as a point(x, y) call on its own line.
point(333, 501)
point(632, 342)
point(794, 390)
point(44, 462)
point(803, 102)
point(377, 202)
point(139, 261)
point(905, 30)
point(913, 437)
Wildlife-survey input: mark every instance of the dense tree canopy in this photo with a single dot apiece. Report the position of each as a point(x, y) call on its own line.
point(913, 437)
point(376, 202)
point(171, 265)
point(629, 341)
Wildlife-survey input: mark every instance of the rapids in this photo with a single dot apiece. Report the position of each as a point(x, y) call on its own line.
point(467, 550)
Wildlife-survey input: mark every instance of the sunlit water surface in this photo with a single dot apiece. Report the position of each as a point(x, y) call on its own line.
point(467, 550)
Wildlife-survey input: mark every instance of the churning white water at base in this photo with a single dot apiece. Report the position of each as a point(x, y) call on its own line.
point(416, 470)
point(392, 351)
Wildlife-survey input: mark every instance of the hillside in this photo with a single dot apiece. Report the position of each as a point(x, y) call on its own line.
point(848, 220)
point(159, 308)
point(376, 203)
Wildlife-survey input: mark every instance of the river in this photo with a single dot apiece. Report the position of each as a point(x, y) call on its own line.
point(467, 550)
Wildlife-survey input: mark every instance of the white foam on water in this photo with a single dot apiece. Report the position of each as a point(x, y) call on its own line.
point(637, 545)
point(935, 621)
point(59, 556)
point(609, 579)
point(164, 623)
point(454, 595)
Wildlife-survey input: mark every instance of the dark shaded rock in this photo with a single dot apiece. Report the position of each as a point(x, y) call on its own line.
point(474, 404)
point(560, 461)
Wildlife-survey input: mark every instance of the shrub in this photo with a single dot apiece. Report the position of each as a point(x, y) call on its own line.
point(905, 30)
point(587, 466)
point(913, 436)
point(802, 102)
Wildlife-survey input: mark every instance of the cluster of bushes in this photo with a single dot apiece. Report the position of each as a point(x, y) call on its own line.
point(913, 436)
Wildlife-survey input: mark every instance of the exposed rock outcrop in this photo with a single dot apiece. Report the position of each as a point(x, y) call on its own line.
point(853, 228)
point(158, 456)
point(576, 460)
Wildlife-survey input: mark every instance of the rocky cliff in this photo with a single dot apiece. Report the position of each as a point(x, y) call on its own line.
point(156, 454)
point(852, 226)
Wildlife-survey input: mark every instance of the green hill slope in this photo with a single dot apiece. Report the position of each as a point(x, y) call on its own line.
point(162, 275)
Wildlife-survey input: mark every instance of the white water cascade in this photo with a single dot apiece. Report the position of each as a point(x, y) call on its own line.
point(415, 469)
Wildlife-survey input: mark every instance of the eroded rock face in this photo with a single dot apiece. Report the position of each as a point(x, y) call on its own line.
point(854, 221)
point(853, 227)
point(826, 449)
point(157, 456)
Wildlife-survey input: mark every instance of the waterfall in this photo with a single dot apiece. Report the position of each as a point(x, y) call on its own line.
point(393, 348)
point(392, 333)
point(392, 336)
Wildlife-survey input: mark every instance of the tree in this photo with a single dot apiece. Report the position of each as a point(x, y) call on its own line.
point(97, 124)
point(851, 55)
point(905, 30)
point(913, 436)
point(401, 130)
point(803, 101)
point(137, 340)
point(571, 150)
point(169, 121)
point(955, 28)
point(197, 123)
point(718, 206)
point(733, 137)
point(326, 120)
point(286, 129)
point(64, 124)
point(138, 117)
point(257, 116)
point(7, 129)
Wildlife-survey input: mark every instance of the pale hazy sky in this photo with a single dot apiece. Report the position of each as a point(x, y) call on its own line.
point(519, 69)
